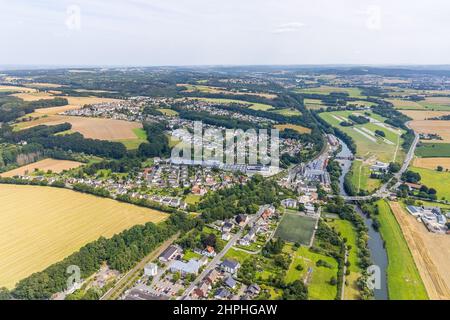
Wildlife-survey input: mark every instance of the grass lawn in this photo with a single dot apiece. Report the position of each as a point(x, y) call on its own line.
point(288, 112)
point(319, 287)
point(352, 92)
point(403, 279)
point(437, 180)
point(168, 112)
point(237, 255)
point(368, 146)
point(189, 254)
point(133, 144)
point(296, 228)
point(347, 231)
point(361, 177)
point(192, 199)
point(431, 150)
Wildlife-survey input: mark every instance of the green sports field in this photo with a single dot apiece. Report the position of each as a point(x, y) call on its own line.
point(296, 228)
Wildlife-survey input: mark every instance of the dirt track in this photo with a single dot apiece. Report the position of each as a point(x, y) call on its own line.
point(431, 253)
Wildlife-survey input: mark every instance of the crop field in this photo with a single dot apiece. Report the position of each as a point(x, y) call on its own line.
point(295, 127)
point(432, 163)
point(428, 150)
point(4, 88)
point(296, 228)
point(437, 180)
point(73, 101)
point(424, 114)
point(219, 90)
point(440, 127)
point(430, 103)
point(252, 105)
point(436, 103)
point(403, 278)
point(317, 278)
point(53, 165)
point(95, 128)
point(33, 95)
point(430, 252)
point(368, 145)
point(41, 225)
point(352, 92)
point(406, 104)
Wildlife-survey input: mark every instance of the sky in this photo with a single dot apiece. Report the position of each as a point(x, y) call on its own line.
point(226, 32)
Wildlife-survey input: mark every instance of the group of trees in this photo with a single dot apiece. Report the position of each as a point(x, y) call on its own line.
point(335, 171)
point(75, 142)
point(242, 198)
point(12, 108)
point(158, 143)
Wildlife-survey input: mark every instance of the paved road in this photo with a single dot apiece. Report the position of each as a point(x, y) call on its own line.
point(129, 276)
point(215, 261)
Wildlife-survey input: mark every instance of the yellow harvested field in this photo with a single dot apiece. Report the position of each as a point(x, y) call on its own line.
point(75, 101)
point(295, 127)
point(432, 163)
point(34, 96)
point(44, 85)
point(440, 127)
point(81, 101)
point(55, 110)
point(424, 114)
point(95, 128)
point(40, 226)
point(4, 88)
point(430, 251)
point(405, 104)
point(44, 165)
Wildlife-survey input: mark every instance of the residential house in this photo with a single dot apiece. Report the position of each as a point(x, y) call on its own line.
point(222, 294)
point(230, 282)
point(241, 219)
point(230, 266)
point(212, 276)
point(253, 289)
point(209, 252)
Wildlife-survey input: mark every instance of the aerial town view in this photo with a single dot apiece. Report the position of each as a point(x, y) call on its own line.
point(140, 164)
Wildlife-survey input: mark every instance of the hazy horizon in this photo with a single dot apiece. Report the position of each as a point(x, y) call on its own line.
point(211, 33)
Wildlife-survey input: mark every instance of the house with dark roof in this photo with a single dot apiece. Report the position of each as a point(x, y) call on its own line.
point(222, 294)
point(253, 289)
point(230, 266)
point(170, 253)
point(241, 219)
point(230, 282)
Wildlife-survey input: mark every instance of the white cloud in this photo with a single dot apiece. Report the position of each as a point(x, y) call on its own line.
point(288, 27)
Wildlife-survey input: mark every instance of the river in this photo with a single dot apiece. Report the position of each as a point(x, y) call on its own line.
point(375, 243)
